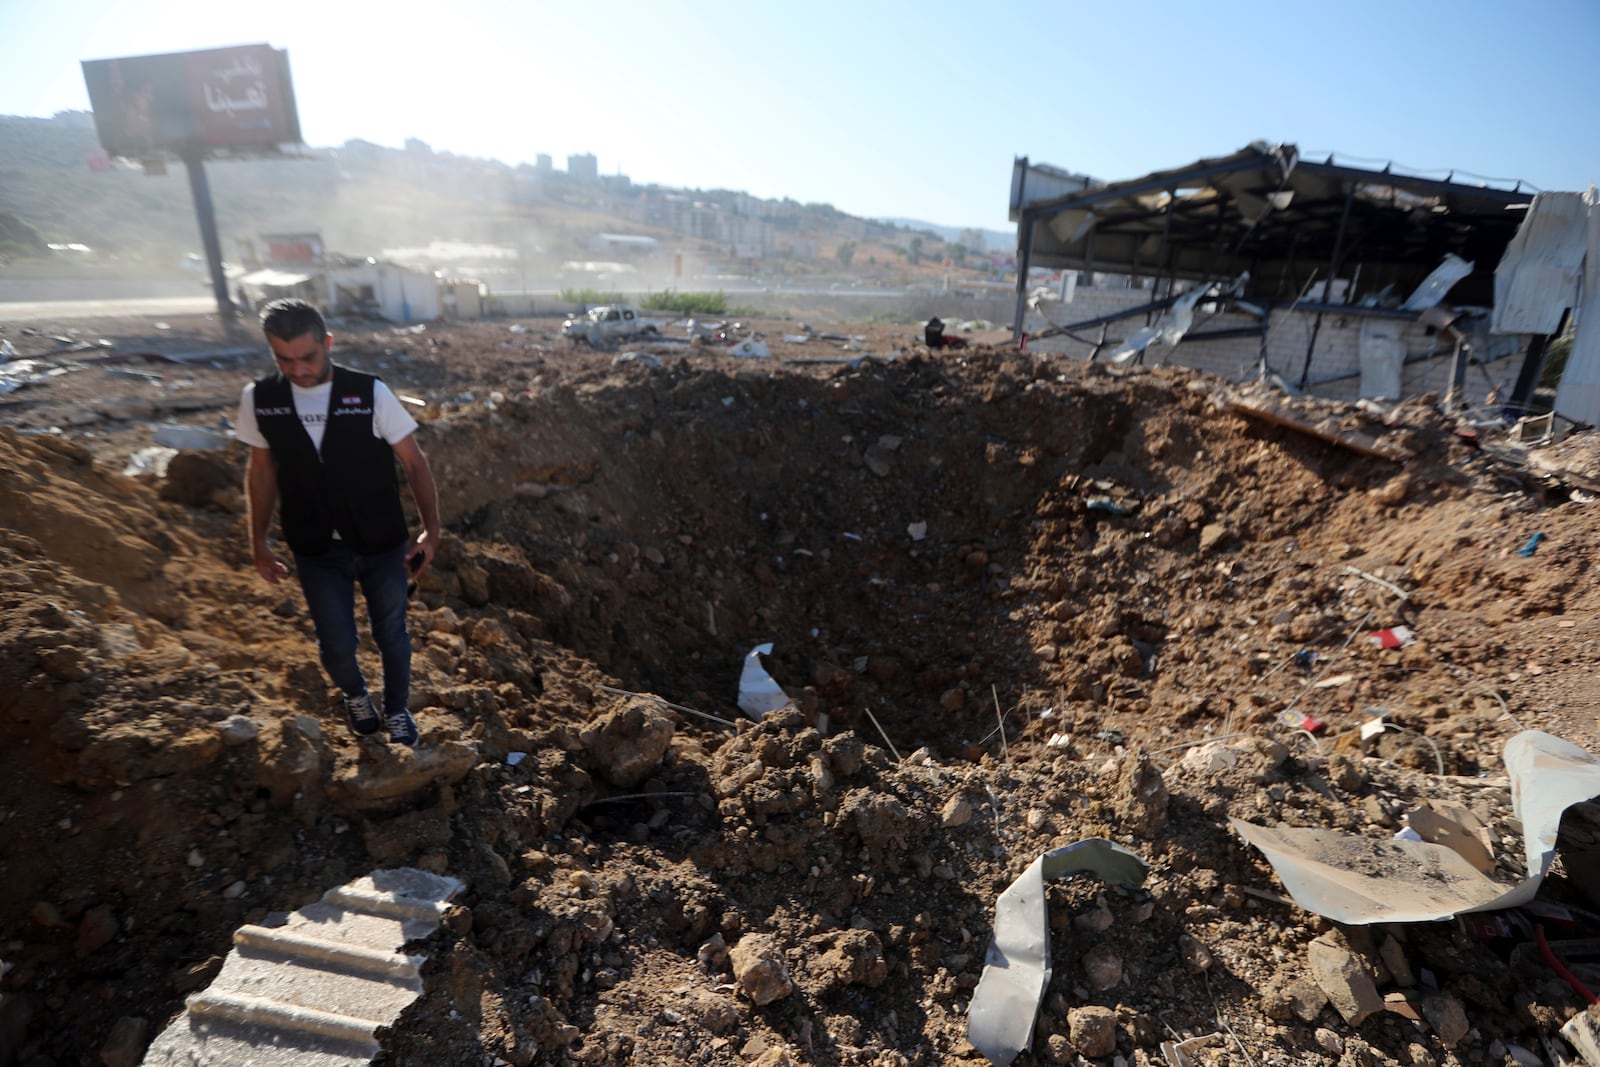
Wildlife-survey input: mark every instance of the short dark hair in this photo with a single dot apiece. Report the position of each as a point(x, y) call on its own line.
point(292, 317)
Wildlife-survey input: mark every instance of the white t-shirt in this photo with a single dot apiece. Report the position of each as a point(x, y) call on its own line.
point(390, 420)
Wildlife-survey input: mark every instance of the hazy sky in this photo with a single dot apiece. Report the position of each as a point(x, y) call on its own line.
point(889, 108)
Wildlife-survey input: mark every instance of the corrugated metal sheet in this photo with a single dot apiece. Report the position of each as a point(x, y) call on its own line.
point(1537, 278)
point(1578, 395)
point(1032, 183)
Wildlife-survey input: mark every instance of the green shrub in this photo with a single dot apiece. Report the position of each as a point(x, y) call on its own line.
point(590, 297)
point(1555, 362)
point(687, 303)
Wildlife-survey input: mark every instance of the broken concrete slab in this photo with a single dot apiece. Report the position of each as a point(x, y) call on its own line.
point(1342, 975)
point(311, 989)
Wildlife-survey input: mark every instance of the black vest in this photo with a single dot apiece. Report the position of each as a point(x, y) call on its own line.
point(351, 487)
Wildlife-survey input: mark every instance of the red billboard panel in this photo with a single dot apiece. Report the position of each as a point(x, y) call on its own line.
point(220, 98)
point(293, 249)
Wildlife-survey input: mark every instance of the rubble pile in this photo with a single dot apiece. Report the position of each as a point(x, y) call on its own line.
point(1016, 601)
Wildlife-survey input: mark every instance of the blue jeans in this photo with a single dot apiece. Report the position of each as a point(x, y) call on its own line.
point(329, 582)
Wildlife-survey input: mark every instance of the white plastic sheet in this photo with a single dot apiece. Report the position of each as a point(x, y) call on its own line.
point(759, 693)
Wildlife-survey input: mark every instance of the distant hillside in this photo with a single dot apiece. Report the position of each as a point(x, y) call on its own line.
point(993, 240)
point(364, 199)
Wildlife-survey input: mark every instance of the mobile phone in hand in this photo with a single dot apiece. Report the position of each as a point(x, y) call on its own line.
point(415, 561)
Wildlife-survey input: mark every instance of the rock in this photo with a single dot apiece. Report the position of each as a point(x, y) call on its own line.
point(1211, 535)
point(1393, 955)
point(194, 477)
point(1448, 1018)
point(474, 584)
point(1329, 1042)
point(238, 730)
point(1196, 957)
point(376, 784)
point(15, 1015)
point(1345, 979)
point(628, 743)
point(1417, 1055)
point(95, 931)
point(957, 811)
point(759, 970)
point(1345, 772)
point(486, 633)
point(1376, 813)
point(713, 953)
point(48, 915)
point(1394, 491)
point(855, 958)
point(124, 1046)
point(1142, 797)
point(952, 699)
point(1306, 998)
point(1095, 919)
point(1093, 1030)
point(1102, 966)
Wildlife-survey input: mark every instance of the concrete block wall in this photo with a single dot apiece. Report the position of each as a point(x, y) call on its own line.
point(1335, 362)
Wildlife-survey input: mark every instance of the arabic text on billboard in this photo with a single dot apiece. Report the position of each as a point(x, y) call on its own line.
point(226, 98)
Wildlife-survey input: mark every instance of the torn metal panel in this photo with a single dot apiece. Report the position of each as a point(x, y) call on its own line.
point(1537, 279)
point(1033, 183)
point(1578, 395)
point(1358, 880)
point(1016, 970)
point(1168, 329)
point(1264, 208)
point(1437, 284)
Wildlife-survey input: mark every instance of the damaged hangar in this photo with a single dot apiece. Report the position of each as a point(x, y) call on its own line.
point(1320, 276)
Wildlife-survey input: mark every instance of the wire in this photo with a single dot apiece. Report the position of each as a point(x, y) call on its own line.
point(1561, 968)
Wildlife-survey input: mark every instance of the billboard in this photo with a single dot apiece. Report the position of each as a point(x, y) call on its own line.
point(223, 99)
point(293, 249)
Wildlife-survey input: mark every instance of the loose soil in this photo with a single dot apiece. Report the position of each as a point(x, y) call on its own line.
point(1012, 596)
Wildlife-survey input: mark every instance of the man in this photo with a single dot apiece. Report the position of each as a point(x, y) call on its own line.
point(323, 440)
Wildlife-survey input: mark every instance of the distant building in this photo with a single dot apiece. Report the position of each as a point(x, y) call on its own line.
point(583, 168)
point(624, 243)
point(543, 163)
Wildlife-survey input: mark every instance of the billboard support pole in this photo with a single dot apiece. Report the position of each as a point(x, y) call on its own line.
point(206, 213)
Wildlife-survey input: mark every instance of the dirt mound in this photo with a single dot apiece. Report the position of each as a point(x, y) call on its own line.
point(1012, 597)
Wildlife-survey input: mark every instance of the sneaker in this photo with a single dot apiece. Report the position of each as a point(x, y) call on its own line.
point(402, 728)
point(363, 716)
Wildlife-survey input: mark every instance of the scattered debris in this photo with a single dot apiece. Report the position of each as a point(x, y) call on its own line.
point(750, 348)
point(1257, 403)
point(759, 693)
point(1393, 637)
point(1357, 880)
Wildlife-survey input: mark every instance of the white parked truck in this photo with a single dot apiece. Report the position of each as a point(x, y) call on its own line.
point(602, 325)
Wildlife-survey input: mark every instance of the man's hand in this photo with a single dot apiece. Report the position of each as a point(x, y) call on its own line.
point(421, 554)
point(268, 565)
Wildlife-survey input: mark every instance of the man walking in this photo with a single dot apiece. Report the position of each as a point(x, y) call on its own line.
point(323, 440)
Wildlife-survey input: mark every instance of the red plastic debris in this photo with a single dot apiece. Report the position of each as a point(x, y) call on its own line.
point(1396, 637)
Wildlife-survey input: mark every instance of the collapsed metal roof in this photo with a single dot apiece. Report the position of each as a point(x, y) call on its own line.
point(1286, 220)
